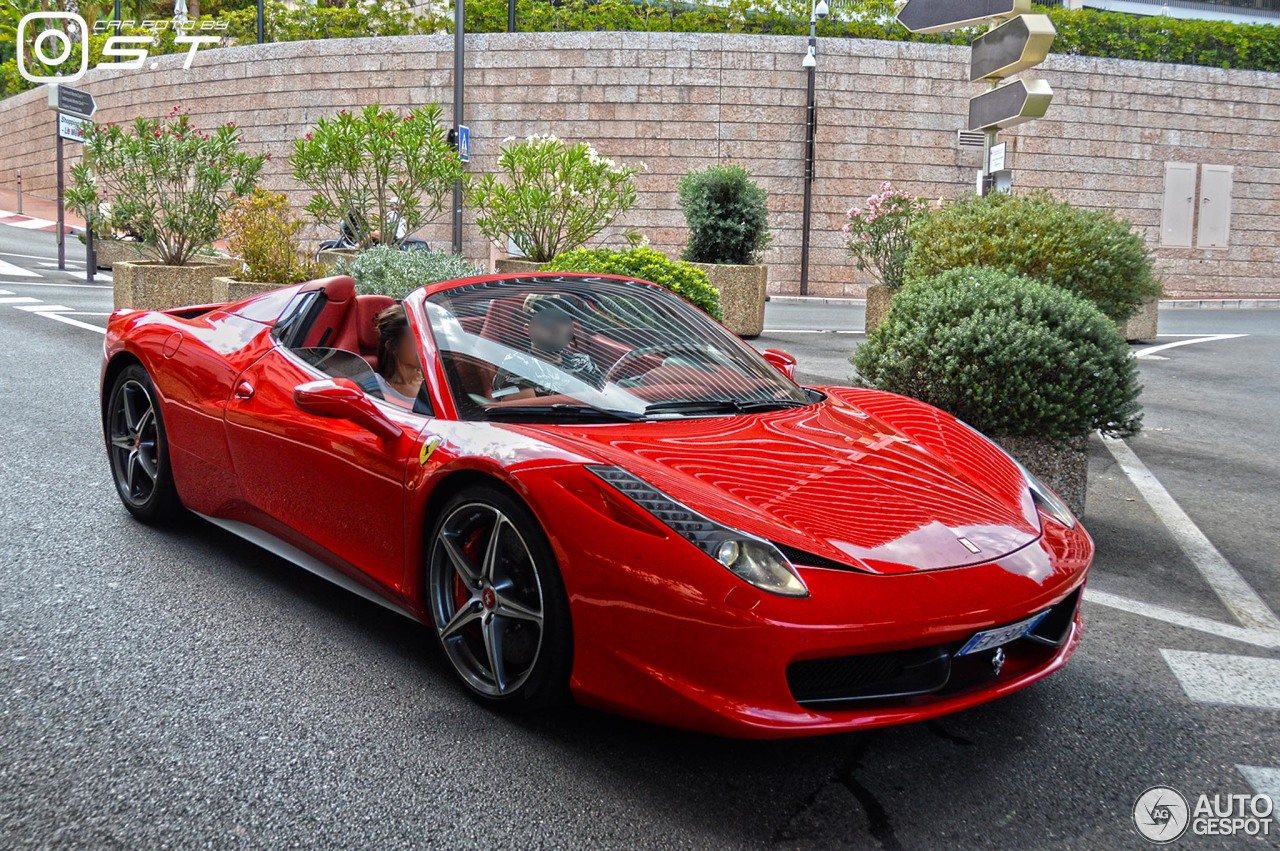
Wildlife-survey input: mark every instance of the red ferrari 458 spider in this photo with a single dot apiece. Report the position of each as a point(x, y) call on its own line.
point(599, 493)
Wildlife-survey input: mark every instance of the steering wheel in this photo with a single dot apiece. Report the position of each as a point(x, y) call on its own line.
point(665, 348)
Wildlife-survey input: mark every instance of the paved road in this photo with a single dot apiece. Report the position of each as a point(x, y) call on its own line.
point(183, 689)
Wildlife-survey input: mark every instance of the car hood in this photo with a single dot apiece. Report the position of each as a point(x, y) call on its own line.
point(829, 480)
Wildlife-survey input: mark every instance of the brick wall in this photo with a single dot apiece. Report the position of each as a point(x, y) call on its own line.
point(887, 111)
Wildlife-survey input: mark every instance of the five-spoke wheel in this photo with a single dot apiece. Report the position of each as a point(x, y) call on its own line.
point(497, 601)
point(137, 446)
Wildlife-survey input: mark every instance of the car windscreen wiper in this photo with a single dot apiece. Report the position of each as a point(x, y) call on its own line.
point(728, 406)
point(560, 411)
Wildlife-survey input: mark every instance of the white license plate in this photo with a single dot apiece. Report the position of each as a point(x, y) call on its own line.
point(990, 638)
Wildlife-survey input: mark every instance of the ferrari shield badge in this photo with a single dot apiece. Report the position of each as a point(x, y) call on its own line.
point(429, 448)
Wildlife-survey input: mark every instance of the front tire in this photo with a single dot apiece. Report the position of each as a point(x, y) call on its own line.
point(138, 447)
point(497, 602)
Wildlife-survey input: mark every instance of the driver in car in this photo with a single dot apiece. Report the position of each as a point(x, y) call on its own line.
point(550, 332)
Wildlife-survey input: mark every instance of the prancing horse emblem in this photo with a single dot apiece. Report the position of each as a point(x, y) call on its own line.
point(997, 661)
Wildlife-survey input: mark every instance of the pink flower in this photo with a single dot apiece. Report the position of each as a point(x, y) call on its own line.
point(886, 186)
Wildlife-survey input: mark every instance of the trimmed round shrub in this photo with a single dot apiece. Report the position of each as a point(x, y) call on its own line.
point(1011, 356)
point(1092, 253)
point(647, 264)
point(727, 214)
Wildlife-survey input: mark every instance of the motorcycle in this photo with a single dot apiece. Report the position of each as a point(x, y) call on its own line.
point(353, 225)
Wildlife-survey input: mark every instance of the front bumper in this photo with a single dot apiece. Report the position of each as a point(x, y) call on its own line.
point(664, 634)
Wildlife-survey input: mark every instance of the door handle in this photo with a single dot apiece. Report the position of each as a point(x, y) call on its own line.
point(244, 390)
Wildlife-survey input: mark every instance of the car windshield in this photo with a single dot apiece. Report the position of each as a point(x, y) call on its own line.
point(594, 350)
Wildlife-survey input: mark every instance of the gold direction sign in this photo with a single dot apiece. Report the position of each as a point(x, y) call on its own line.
point(1009, 105)
point(1013, 46)
point(935, 16)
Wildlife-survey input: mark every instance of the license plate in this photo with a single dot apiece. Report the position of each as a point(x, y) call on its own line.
point(990, 638)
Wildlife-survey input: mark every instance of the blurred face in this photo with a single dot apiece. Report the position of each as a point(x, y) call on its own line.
point(406, 351)
point(550, 332)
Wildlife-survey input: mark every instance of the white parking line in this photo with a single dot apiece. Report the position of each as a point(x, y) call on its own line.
point(1226, 582)
point(18, 299)
point(67, 320)
point(1265, 781)
point(62, 286)
point(43, 308)
point(1232, 680)
point(1268, 639)
point(1151, 350)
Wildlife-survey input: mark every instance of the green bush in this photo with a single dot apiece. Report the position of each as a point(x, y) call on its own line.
point(383, 270)
point(647, 264)
point(1010, 356)
point(727, 214)
point(263, 232)
point(1092, 253)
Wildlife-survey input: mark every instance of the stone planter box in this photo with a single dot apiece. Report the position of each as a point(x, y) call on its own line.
point(879, 300)
point(742, 292)
point(1063, 467)
point(150, 285)
point(331, 257)
point(1143, 325)
point(108, 252)
point(229, 289)
point(512, 266)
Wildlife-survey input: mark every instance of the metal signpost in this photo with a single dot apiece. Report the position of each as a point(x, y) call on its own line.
point(73, 108)
point(1016, 41)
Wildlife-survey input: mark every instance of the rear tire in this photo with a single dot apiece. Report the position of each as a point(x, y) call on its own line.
point(139, 448)
point(497, 602)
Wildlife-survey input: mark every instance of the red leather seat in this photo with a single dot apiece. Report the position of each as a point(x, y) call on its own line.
point(340, 293)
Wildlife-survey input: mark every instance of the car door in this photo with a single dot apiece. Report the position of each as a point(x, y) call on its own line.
point(327, 485)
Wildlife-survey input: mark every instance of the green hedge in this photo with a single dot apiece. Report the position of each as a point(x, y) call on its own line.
point(647, 264)
point(1084, 32)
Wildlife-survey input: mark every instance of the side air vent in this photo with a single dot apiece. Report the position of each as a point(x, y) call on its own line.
point(969, 139)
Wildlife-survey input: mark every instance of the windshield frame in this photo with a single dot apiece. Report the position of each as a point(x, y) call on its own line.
point(426, 305)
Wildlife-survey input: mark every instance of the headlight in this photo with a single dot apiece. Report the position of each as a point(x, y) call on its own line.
point(1045, 499)
point(752, 559)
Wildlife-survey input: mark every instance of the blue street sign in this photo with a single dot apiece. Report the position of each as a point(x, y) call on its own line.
point(464, 143)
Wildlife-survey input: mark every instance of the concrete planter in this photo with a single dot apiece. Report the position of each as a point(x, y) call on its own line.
point(1143, 325)
point(229, 289)
point(1063, 467)
point(108, 252)
point(512, 266)
point(150, 285)
point(742, 291)
point(331, 257)
point(879, 300)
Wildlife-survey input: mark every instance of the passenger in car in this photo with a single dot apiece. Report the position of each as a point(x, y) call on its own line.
point(399, 371)
point(550, 332)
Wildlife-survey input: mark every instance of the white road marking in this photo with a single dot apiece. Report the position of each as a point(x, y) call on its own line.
point(1265, 781)
point(1243, 602)
point(1265, 638)
point(808, 331)
point(6, 292)
point(1232, 680)
point(62, 286)
point(18, 299)
point(1151, 350)
point(38, 256)
point(85, 313)
point(42, 307)
point(76, 322)
point(31, 224)
point(16, 271)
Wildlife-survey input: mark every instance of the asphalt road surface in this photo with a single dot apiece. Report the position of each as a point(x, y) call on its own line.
point(183, 689)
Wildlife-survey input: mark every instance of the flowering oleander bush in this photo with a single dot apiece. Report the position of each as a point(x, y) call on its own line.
point(384, 270)
point(262, 231)
point(1011, 356)
point(877, 235)
point(647, 264)
point(165, 180)
point(552, 197)
point(727, 214)
point(395, 171)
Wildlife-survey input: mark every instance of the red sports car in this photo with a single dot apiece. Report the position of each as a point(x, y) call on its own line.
point(586, 488)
